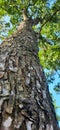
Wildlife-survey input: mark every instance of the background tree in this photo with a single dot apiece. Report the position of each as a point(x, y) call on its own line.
point(40, 18)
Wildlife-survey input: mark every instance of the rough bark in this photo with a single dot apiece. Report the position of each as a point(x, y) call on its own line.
point(25, 103)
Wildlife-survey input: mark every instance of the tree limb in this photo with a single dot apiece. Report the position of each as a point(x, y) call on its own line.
point(49, 19)
point(47, 40)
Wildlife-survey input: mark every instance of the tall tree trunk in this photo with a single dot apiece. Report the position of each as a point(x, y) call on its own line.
point(25, 103)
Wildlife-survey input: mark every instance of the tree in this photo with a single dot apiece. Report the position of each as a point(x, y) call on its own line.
point(25, 100)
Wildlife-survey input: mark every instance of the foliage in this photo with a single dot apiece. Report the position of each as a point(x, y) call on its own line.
point(57, 88)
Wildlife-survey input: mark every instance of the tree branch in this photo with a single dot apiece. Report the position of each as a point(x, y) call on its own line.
point(49, 19)
point(45, 39)
point(3, 8)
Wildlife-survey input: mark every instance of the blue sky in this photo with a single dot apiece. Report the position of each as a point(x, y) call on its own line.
point(55, 95)
point(50, 3)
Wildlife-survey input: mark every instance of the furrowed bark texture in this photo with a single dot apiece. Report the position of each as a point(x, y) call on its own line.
point(25, 103)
